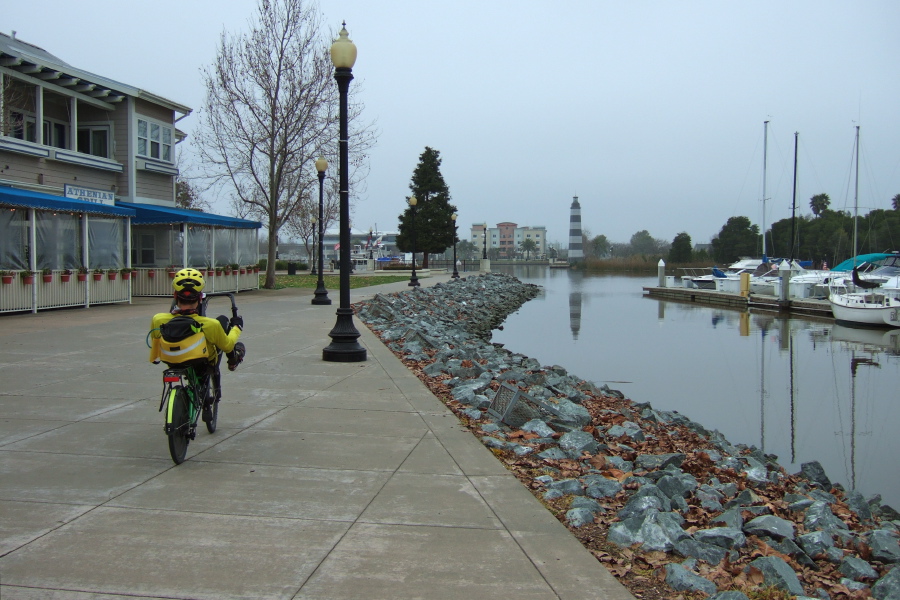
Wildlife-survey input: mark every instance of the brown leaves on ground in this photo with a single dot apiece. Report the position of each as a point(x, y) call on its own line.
point(643, 573)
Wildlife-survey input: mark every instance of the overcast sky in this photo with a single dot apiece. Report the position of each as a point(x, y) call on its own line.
point(651, 112)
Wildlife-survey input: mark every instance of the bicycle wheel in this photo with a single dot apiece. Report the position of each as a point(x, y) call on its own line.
point(179, 424)
point(211, 410)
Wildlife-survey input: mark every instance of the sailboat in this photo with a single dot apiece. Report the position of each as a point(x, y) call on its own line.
point(865, 301)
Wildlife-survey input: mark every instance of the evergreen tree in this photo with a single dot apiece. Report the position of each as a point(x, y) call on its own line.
point(434, 231)
point(736, 239)
point(682, 249)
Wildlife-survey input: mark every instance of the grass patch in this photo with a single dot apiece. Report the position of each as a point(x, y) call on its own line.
point(332, 282)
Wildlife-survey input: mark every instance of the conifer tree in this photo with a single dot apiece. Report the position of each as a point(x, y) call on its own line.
point(434, 228)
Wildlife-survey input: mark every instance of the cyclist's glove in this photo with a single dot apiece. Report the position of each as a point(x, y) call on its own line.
point(236, 356)
point(238, 322)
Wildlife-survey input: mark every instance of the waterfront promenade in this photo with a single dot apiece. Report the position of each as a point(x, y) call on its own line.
point(323, 481)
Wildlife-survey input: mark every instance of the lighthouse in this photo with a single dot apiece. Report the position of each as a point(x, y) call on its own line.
point(576, 253)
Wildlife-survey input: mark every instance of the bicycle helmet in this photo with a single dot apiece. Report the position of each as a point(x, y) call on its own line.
point(188, 284)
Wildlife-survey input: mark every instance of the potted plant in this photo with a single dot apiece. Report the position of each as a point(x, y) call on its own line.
point(7, 277)
point(228, 269)
point(243, 270)
point(210, 271)
point(256, 268)
point(171, 270)
point(98, 274)
point(47, 275)
point(151, 273)
point(126, 273)
point(235, 267)
point(27, 277)
point(66, 275)
point(82, 273)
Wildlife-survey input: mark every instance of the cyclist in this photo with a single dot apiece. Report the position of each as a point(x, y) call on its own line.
point(220, 333)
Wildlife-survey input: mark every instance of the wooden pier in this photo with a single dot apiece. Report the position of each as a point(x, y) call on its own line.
point(806, 306)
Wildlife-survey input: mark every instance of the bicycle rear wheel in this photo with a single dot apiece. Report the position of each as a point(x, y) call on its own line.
point(211, 410)
point(178, 423)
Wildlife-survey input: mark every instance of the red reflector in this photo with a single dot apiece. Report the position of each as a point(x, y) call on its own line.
point(171, 379)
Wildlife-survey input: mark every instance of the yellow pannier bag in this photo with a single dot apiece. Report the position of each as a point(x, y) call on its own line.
point(182, 342)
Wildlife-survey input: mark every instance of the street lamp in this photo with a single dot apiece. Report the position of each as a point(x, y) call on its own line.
point(484, 252)
point(312, 258)
point(321, 294)
point(344, 346)
point(413, 280)
point(371, 246)
point(453, 222)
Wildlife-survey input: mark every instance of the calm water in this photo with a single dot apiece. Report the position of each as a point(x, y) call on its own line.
point(801, 389)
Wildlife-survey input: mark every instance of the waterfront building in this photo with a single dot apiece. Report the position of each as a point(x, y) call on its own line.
point(507, 238)
point(88, 183)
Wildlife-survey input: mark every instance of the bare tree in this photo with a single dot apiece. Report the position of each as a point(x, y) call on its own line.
point(271, 109)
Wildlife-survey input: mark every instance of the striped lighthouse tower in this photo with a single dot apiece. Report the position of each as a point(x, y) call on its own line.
point(576, 253)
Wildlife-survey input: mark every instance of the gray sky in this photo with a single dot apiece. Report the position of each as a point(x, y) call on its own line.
point(651, 112)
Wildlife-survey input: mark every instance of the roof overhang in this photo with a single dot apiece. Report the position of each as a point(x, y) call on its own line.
point(146, 214)
point(17, 198)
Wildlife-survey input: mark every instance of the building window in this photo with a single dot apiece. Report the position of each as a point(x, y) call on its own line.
point(23, 128)
point(94, 140)
point(154, 140)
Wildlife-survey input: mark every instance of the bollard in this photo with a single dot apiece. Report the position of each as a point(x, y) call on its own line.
point(784, 272)
point(661, 271)
point(745, 285)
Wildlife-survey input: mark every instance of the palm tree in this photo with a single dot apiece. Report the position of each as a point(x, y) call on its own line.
point(895, 202)
point(528, 246)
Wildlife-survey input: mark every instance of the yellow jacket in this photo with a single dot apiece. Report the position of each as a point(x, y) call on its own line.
point(212, 330)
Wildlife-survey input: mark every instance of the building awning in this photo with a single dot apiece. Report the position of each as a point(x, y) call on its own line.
point(148, 214)
point(10, 196)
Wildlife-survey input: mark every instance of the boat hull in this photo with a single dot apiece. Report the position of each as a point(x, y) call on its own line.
point(874, 309)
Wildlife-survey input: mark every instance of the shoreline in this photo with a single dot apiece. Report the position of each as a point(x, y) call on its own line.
point(593, 458)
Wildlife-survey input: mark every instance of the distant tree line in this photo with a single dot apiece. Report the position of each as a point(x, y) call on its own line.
point(824, 236)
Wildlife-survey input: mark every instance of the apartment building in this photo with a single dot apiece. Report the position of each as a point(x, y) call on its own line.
point(507, 238)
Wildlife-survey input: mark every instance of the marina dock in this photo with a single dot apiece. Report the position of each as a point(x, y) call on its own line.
point(805, 306)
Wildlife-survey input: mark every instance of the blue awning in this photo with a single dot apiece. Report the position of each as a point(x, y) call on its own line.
point(148, 214)
point(10, 196)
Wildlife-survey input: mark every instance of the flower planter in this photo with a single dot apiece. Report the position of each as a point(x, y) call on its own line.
point(219, 273)
point(65, 277)
point(151, 273)
point(47, 278)
point(210, 273)
point(172, 274)
point(82, 277)
point(243, 271)
point(126, 276)
point(98, 276)
point(112, 275)
point(7, 279)
point(28, 279)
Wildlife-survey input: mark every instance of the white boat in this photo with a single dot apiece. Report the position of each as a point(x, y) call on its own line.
point(733, 271)
point(878, 307)
point(874, 300)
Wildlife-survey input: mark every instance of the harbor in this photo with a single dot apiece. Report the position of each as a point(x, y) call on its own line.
point(800, 306)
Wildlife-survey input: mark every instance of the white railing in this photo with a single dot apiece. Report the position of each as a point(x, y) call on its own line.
point(160, 284)
point(61, 290)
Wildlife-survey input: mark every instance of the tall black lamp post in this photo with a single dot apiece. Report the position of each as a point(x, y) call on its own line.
point(413, 280)
point(453, 222)
point(321, 294)
point(312, 258)
point(484, 252)
point(344, 346)
point(371, 247)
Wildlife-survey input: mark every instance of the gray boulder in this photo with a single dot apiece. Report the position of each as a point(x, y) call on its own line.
point(813, 471)
point(601, 487)
point(652, 462)
point(857, 569)
point(779, 574)
point(885, 546)
point(690, 548)
point(724, 537)
point(579, 517)
point(819, 516)
point(568, 487)
point(771, 526)
point(576, 442)
point(888, 587)
point(677, 485)
point(683, 580)
point(648, 530)
point(539, 427)
point(815, 543)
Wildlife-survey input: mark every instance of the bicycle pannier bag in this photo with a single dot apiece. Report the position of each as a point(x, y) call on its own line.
point(182, 341)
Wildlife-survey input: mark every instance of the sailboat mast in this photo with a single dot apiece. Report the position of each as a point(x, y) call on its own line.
point(794, 201)
point(765, 152)
point(856, 199)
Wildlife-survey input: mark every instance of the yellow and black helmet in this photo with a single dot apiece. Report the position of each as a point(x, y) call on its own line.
point(188, 284)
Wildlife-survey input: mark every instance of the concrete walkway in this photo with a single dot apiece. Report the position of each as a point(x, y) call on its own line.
point(323, 481)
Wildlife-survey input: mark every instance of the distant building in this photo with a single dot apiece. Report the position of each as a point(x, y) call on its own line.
point(507, 237)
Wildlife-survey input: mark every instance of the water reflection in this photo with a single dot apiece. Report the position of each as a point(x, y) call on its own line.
point(801, 389)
